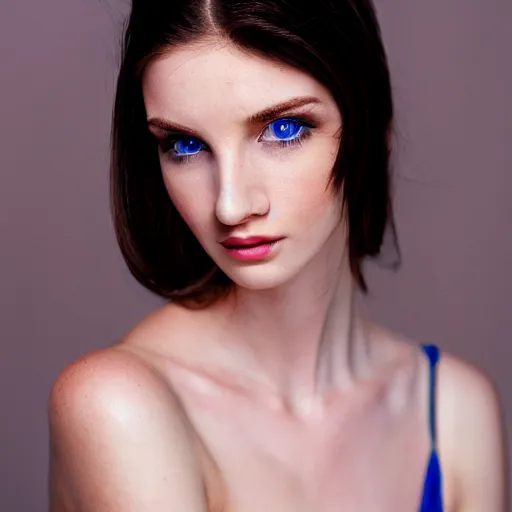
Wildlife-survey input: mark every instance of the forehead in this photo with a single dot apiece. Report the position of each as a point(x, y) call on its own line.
point(192, 78)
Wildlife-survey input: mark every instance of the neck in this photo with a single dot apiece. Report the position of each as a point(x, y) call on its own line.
point(300, 340)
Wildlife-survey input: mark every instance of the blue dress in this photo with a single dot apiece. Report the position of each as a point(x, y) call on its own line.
point(432, 500)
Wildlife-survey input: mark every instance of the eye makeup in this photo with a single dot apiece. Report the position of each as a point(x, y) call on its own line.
point(182, 147)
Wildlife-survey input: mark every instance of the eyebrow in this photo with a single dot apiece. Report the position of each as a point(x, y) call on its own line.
point(281, 108)
point(263, 116)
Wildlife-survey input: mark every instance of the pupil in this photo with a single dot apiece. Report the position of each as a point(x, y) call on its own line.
point(285, 129)
point(188, 146)
point(192, 144)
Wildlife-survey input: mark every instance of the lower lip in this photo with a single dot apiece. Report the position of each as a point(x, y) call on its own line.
point(258, 252)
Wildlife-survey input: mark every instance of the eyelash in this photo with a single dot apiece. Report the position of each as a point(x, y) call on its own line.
point(305, 131)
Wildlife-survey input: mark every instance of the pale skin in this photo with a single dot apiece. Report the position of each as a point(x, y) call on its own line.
point(283, 397)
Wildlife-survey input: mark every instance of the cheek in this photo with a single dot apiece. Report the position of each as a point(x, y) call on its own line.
point(190, 196)
point(305, 195)
point(315, 205)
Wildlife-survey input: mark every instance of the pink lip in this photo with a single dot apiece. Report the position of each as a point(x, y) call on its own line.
point(236, 242)
point(251, 248)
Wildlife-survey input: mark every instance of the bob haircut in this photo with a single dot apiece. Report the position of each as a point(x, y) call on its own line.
point(337, 42)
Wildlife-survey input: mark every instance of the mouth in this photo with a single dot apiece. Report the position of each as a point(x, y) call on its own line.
point(248, 243)
point(250, 246)
point(253, 251)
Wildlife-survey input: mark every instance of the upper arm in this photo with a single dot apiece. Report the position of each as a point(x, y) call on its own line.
point(481, 455)
point(119, 441)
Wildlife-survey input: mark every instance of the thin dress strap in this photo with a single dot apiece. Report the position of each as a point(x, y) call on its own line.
point(433, 354)
point(432, 500)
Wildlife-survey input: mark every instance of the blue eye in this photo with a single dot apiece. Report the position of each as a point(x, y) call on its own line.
point(187, 147)
point(286, 132)
point(286, 129)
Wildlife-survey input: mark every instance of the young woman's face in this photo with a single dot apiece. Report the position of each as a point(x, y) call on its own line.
point(246, 149)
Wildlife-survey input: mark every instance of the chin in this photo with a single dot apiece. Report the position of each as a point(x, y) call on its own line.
point(260, 277)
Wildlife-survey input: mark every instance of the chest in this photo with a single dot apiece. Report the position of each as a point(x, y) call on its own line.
point(365, 458)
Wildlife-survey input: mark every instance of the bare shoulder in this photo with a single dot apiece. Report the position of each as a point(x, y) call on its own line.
point(469, 425)
point(119, 438)
point(468, 399)
point(471, 434)
point(102, 378)
point(467, 385)
point(170, 330)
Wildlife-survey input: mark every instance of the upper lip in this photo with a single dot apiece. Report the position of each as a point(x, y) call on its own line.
point(235, 241)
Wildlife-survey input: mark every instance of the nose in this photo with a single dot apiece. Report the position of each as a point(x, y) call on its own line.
point(240, 194)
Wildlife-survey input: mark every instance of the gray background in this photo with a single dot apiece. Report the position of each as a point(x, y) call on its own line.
point(65, 289)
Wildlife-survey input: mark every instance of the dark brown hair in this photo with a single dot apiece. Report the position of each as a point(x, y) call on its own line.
point(337, 42)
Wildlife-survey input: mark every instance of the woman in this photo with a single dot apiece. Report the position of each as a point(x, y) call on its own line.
point(250, 180)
